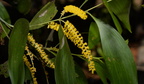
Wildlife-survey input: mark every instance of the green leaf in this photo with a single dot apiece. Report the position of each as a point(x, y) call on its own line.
point(43, 16)
point(16, 49)
point(81, 79)
point(116, 22)
point(117, 55)
point(64, 64)
point(5, 30)
point(5, 16)
point(101, 71)
point(24, 6)
point(121, 8)
point(93, 35)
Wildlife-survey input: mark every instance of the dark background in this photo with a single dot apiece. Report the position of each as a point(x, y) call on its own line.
point(135, 38)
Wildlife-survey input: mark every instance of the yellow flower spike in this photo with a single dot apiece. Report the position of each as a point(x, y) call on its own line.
point(31, 68)
point(40, 50)
point(75, 10)
point(71, 33)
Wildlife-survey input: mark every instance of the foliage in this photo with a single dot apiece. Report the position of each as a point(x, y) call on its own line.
point(113, 62)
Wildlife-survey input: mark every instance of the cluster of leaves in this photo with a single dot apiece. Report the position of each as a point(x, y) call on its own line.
point(117, 65)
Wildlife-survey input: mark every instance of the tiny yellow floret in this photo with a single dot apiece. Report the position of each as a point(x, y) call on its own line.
point(75, 10)
point(53, 25)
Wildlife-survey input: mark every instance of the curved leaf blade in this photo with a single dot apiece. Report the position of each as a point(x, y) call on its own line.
point(43, 16)
point(5, 16)
point(117, 55)
point(16, 49)
point(115, 20)
point(64, 64)
point(121, 8)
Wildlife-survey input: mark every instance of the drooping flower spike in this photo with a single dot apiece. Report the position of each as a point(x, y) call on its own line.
point(40, 50)
point(31, 68)
point(73, 34)
point(75, 10)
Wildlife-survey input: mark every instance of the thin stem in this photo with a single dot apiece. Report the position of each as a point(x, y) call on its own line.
point(77, 54)
point(95, 6)
point(7, 24)
point(45, 74)
point(83, 3)
point(68, 15)
point(57, 44)
point(53, 20)
point(80, 56)
point(50, 51)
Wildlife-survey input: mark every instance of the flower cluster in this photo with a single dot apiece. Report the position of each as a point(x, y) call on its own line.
point(31, 68)
point(75, 10)
point(53, 26)
point(73, 34)
point(40, 50)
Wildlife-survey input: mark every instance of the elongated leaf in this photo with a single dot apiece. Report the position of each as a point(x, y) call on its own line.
point(117, 55)
point(5, 16)
point(121, 8)
point(16, 49)
point(93, 36)
point(101, 71)
point(43, 16)
point(24, 6)
point(64, 71)
point(116, 22)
